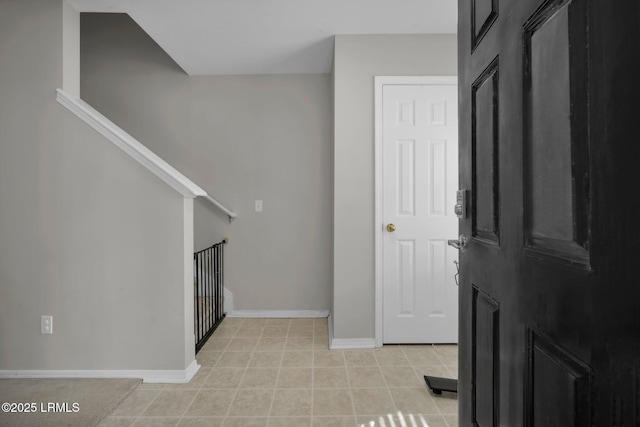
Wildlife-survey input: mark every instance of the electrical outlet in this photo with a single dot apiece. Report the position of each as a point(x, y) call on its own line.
point(46, 324)
point(258, 205)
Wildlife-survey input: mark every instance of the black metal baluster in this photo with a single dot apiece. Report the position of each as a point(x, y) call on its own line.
point(209, 291)
point(215, 283)
point(197, 295)
point(204, 300)
point(221, 283)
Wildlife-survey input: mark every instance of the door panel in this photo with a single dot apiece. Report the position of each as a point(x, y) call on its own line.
point(549, 324)
point(406, 177)
point(485, 151)
point(440, 177)
point(406, 285)
point(558, 385)
point(419, 178)
point(485, 359)
point(485, 13)
point(556, 202)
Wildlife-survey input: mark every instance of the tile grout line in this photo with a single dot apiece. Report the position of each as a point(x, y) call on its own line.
point(384, 380)
point(413, 367)
point(353, 403)
point(186, 410)
point(275, 386)
point(433, 346)
point(235, 393)
point(140, 415)
point(442, 361)
point(442, 415)
point(199, 389)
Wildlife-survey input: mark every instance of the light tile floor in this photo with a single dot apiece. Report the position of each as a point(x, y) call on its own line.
point(281, 373)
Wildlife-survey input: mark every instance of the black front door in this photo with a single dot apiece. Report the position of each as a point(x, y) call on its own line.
point(549, 289)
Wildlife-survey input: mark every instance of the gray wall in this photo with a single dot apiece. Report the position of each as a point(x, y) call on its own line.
point(241, 138)
point(357, 59)
point(86, 234)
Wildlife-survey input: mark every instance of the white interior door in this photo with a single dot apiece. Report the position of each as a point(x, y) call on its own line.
point(419, 181)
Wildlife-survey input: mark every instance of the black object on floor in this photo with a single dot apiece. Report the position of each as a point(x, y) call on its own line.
point(438, 385)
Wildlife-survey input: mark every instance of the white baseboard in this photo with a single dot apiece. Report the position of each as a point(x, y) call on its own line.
point(178, 376)
point(330, 327)
point(278, 313)
point(349, 343)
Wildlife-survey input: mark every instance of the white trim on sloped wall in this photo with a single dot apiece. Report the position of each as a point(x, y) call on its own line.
point(178, 376)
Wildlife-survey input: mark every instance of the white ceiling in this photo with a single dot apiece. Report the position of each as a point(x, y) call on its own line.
point(271, 36)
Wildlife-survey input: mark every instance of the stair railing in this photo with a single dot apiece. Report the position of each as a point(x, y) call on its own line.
point(208, 291)
point(232, 215)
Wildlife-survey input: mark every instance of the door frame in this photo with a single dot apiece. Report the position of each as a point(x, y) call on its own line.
point(379, 83)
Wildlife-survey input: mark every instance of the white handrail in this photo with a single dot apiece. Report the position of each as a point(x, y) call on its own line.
point(232, 215)
point(130, 145)
point(135, 149)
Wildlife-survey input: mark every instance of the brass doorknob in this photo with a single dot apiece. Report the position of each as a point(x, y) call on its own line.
point(391, 228)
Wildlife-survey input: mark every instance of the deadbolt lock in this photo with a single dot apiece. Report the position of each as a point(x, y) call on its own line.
point(460, 208)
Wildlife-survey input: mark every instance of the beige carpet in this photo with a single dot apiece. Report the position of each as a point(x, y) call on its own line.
point(61, 402)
